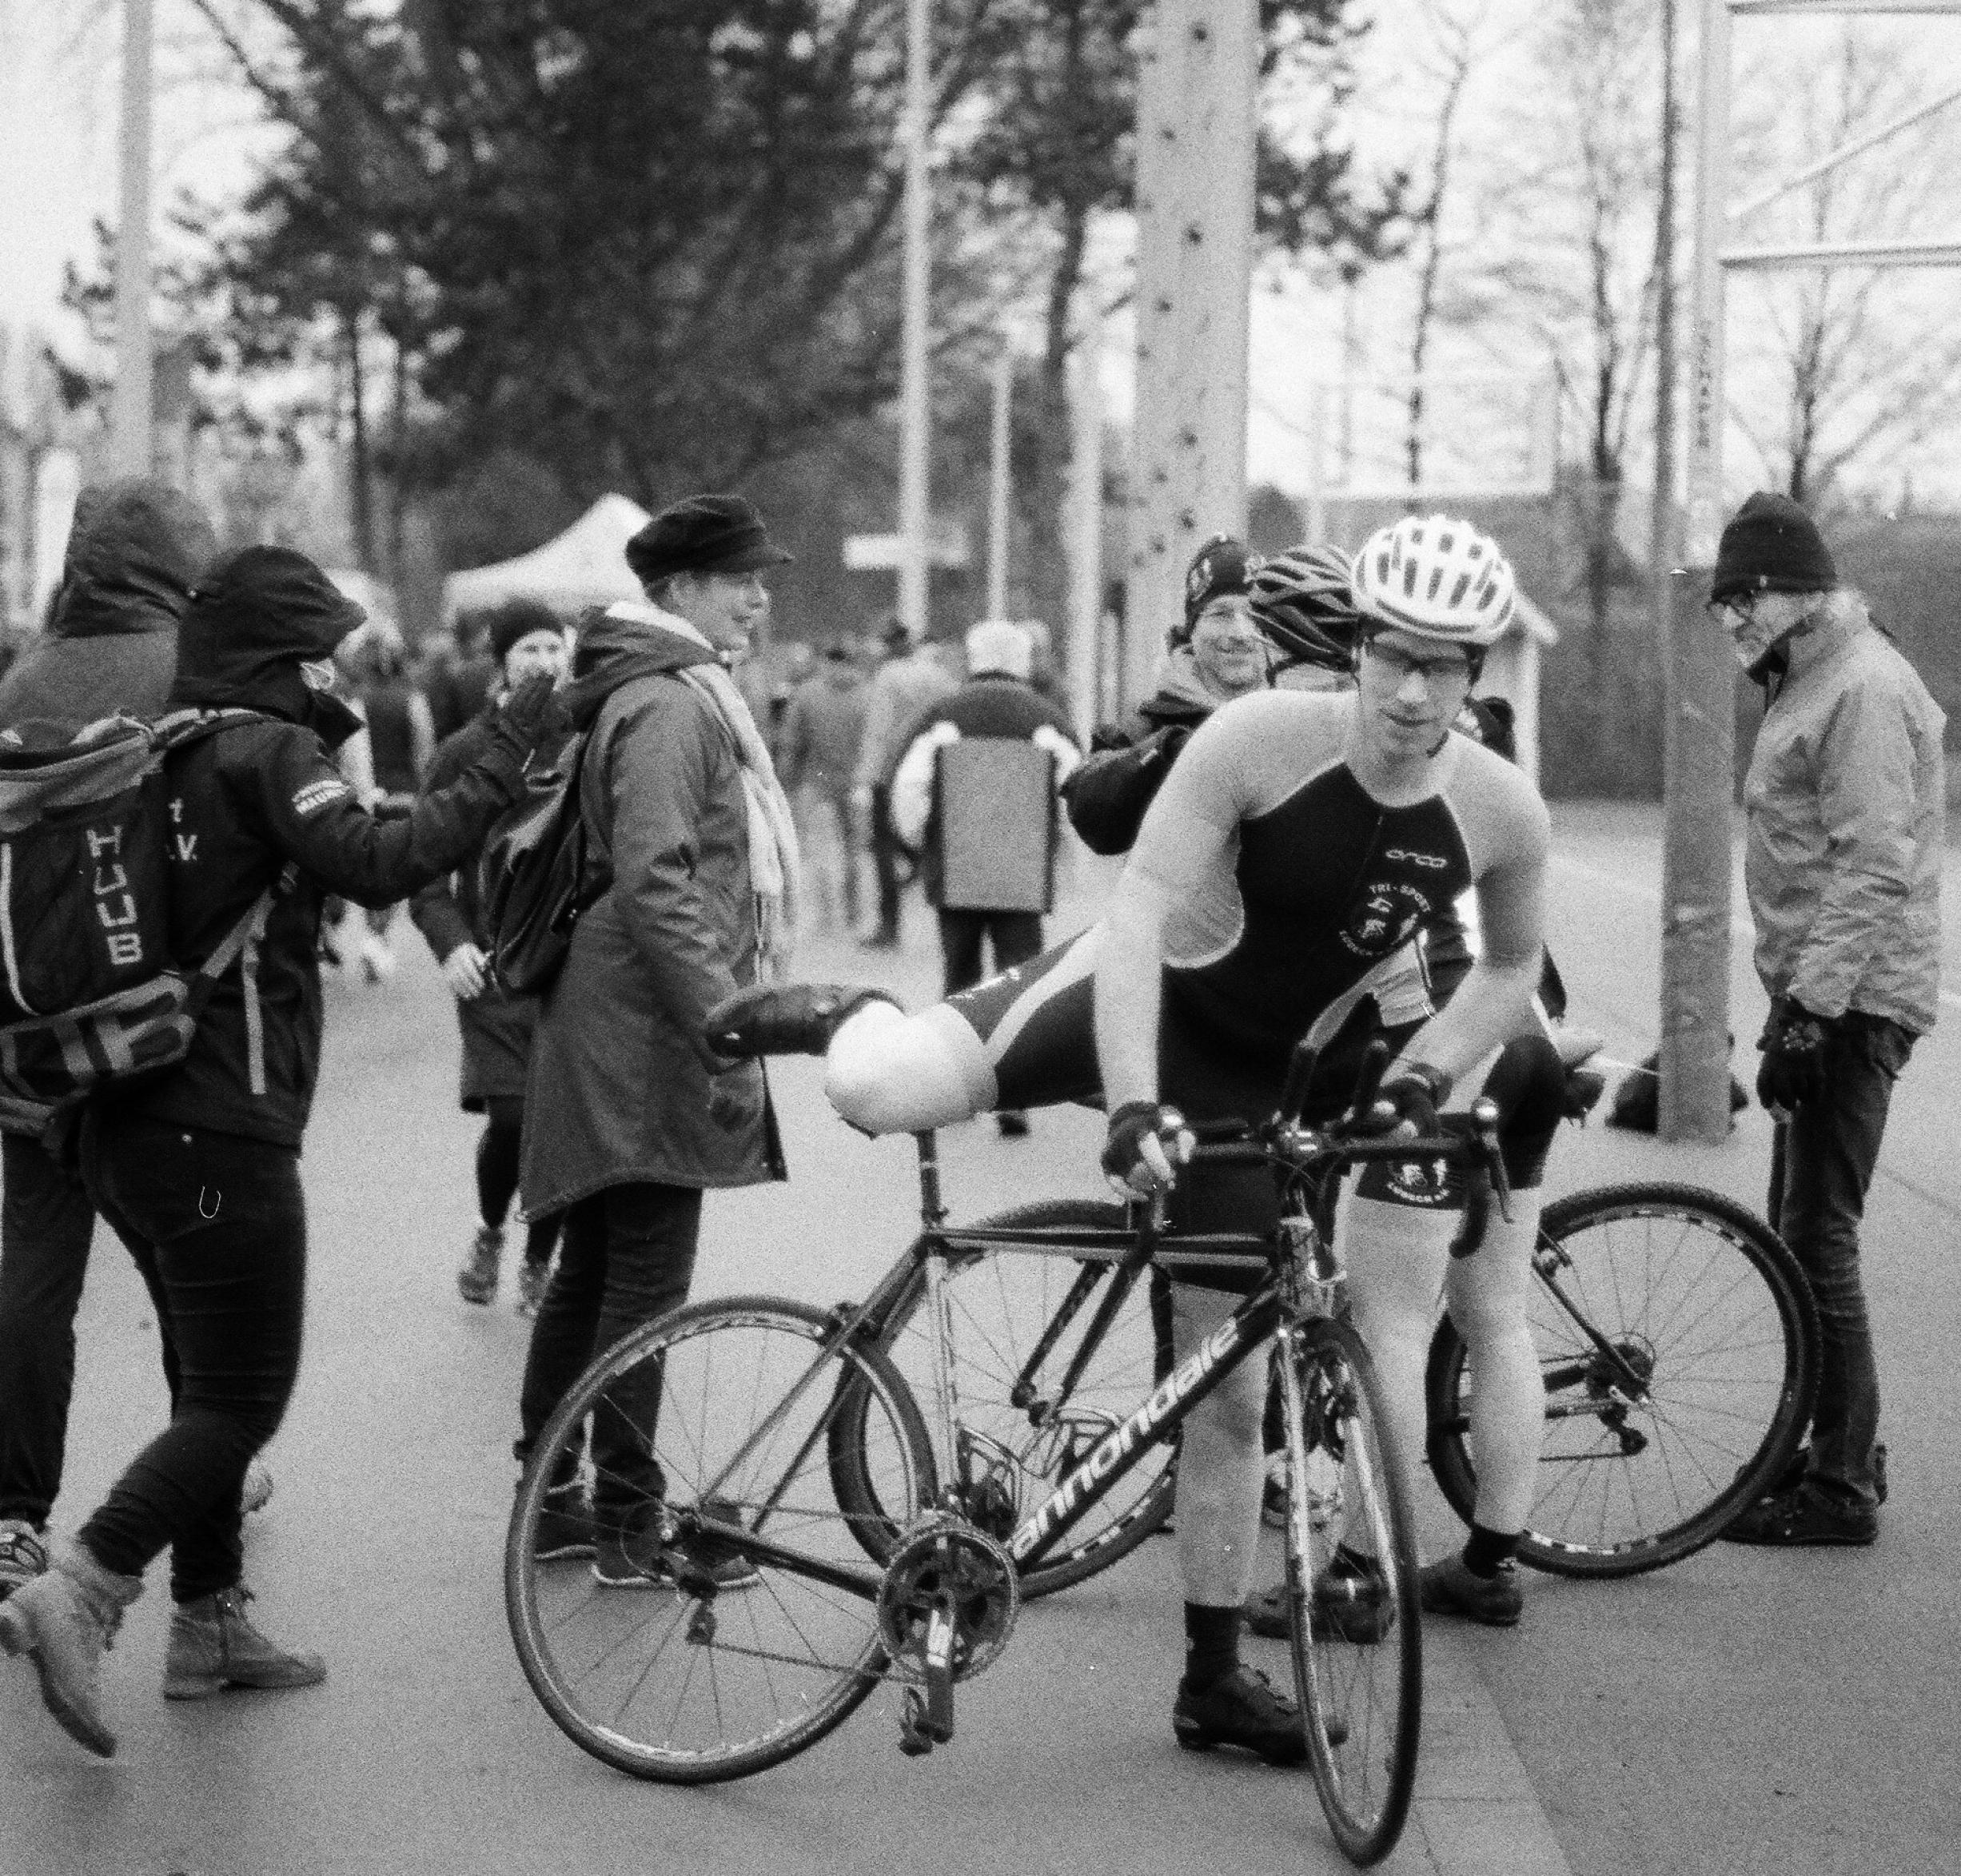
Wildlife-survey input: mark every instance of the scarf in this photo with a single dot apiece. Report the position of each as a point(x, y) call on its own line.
point(1178, 676)
point(775, 865)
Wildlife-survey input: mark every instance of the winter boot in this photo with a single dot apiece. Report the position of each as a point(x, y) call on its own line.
point(476, 1282)
point(213, 1646)
point(65, 1622)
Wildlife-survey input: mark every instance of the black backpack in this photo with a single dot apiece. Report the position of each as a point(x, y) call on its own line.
point(88, 993)
point(533, 881)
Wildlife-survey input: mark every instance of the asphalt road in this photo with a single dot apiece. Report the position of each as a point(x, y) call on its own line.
point(1742, 1710)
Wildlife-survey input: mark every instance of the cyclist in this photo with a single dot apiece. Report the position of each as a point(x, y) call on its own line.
point(1278, 881)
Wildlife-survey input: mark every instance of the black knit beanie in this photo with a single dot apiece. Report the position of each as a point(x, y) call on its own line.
point(1771, 546)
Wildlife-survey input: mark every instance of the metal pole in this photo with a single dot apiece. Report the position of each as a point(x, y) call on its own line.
point(1699, 678)
point(131, 408)
point(998, 488)
point(1316, 461)
point(1086, 536)
point(915, 417)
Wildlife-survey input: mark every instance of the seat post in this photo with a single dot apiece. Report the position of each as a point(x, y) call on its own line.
point(932, 1214)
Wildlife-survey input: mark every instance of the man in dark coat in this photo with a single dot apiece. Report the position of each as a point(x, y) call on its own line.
point(197, 1168)
point(134, 552)
point(631, 1116)
point(528, 638)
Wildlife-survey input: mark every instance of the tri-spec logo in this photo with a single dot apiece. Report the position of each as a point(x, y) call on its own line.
point(1116, 1447)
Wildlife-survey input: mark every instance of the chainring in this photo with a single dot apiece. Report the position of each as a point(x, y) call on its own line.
point(941, 1555)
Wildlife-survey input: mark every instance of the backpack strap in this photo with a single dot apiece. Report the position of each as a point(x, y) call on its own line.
point(241, 945)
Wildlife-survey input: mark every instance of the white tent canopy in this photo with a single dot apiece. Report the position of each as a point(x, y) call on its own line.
point(585, 566)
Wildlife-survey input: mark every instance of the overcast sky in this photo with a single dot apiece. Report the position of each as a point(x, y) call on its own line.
point(60, 61)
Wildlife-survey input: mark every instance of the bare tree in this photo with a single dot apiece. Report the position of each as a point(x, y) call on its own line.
point(1863, 363)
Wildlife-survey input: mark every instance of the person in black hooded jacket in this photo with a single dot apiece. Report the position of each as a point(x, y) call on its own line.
point(134, 553)
point(198, 1169)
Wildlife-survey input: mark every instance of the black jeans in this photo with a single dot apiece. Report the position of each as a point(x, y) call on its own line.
point(1016, 937)
point(886, 855)
point(627, 1256)
point(223, 1220)
point(1830, 1150)
point(498, 1149)
point(46, 1222)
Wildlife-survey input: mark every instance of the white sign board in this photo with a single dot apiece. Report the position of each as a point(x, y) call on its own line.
point(871, 553)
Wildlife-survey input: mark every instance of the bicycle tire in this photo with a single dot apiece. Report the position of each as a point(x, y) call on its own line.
point(1712, 1305)
point(636, 1676)
point(1357, 1644)
point(1001, 1301)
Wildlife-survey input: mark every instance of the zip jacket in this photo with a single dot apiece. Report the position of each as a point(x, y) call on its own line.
point(262, 805)
point(1845, 796)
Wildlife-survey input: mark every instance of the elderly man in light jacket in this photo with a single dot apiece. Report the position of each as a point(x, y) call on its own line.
point(1845, 800)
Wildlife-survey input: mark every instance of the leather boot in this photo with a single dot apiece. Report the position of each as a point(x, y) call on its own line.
point(213, 1646)
point(65, 1622)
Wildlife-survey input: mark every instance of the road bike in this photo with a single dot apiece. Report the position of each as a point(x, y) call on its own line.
point(1678, 1344)
point(800, 1533)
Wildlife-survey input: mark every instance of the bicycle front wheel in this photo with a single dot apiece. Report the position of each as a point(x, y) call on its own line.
point(1354, 1626)
point(1679, 1342)
point(1019, 1429)
point(679, 1656)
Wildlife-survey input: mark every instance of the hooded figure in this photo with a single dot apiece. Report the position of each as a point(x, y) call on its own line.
point(135, 553)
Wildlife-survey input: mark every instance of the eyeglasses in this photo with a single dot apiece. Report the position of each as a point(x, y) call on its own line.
point(1733, 605)
point(1433, 671)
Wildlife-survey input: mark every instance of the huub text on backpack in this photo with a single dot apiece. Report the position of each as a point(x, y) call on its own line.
point(88, 992)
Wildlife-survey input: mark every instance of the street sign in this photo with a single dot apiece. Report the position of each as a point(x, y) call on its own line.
point(867, 553)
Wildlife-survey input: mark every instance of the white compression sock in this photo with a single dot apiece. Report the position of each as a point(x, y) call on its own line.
point(1486, 1295)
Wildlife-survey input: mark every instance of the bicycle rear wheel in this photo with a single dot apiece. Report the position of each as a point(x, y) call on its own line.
point(714, 1663)
point(1019, 1434)
point(1355, 1632)
point(1679, 1340)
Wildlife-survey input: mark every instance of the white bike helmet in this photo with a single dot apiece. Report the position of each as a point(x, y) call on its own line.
point(1303, 603)
point(1438, 577)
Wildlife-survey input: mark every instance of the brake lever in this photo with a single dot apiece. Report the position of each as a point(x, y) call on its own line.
point(1484, 1126)
point(1486, 1180)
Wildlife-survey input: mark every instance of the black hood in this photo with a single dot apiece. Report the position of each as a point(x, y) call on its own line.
point(136, 551)
point(253, 623)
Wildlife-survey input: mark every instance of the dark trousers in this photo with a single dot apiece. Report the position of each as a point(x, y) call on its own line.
point(627, 1256)
point(498, 1148)
point(223, 1220)
point(1830, 1148)
point(1016, 937)
point(46, 1222)
point(886, 855)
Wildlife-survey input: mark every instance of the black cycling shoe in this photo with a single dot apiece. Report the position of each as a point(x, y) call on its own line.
point(1243, 1709)
point(784, 1019)
point(1351, 1600)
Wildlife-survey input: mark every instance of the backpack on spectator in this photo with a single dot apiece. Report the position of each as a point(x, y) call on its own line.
point(532, 878)
point(88, 993)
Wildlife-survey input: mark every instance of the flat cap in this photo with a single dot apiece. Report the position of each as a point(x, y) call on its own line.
point(705, 534)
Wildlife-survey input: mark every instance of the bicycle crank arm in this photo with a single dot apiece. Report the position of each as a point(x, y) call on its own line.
point(926, 1720)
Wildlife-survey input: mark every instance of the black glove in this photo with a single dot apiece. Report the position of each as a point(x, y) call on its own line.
point(1793, 1068)
point(735, 1097)
point(1133, 1124)
point(1410, 1095)
point(531, 714)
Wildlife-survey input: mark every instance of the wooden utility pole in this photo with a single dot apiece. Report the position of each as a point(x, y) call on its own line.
point(1086, 649)
point(130, 415)
point(1196, 112)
